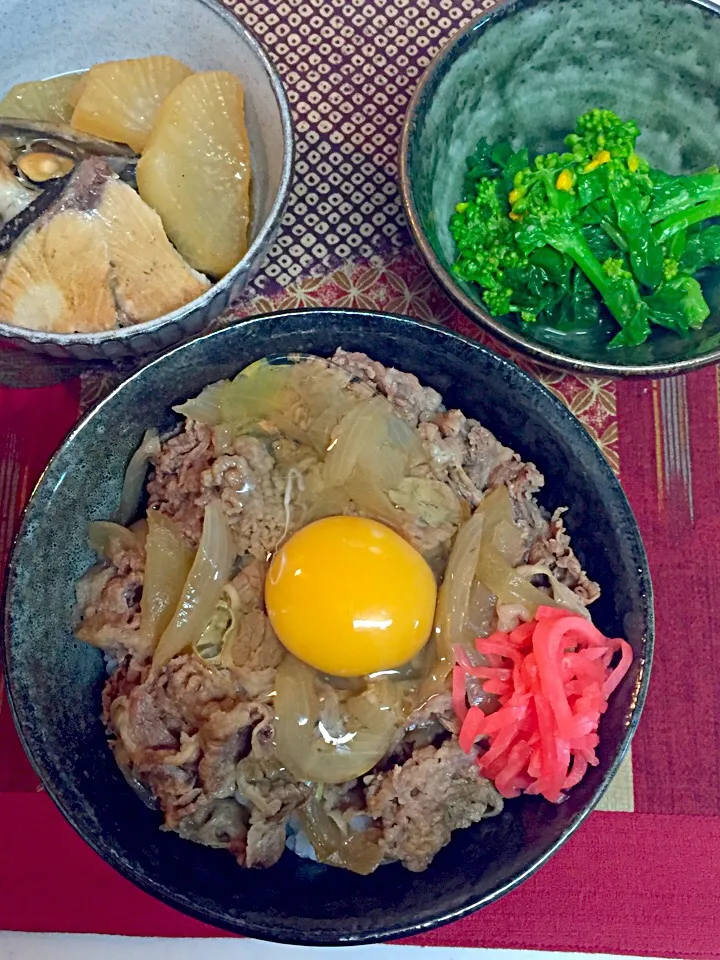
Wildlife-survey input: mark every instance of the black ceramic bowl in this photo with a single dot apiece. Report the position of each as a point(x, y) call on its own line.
point(55, 681)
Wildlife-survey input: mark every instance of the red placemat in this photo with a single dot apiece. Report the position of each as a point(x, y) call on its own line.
point(640, 876)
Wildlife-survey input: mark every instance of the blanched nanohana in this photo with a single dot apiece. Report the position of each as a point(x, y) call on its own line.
point(564, 238)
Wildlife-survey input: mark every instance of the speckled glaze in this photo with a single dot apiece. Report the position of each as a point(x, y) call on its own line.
point(55, 681)
point(39, 39)
point(524, 72)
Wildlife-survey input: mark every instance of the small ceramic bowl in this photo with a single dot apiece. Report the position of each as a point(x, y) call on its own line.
point(55, 681)
point(39, 39)
point(524, 72)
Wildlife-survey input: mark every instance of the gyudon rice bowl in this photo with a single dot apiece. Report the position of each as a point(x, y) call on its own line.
point(342, 624)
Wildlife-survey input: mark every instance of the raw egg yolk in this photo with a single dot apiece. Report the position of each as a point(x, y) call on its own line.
point(350, 597)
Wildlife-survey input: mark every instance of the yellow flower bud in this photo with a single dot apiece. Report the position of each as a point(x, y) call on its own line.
point(601, 157)
point(564, 181)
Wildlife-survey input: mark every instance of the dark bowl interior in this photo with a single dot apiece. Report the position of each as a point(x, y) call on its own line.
point(524, 72)
point(55, 681)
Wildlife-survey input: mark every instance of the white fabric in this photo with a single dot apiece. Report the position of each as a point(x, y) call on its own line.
point(55, 946)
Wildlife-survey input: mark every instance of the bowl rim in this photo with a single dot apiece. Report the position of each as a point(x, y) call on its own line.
point(537, 351)
point(278, 934)
point(272, 221)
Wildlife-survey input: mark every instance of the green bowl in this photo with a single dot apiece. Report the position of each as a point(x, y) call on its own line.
point(524, 72)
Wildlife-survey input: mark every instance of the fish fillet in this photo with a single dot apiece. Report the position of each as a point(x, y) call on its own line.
point(149, 276)
point(97, 258)
point(57, 278)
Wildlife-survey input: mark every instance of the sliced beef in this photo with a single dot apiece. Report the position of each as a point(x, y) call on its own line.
point(429, 514)
point(420, 803)
point(148, 725)
point(176, 488)
point(188, 476)
point(446, 456)
point(269, 788)
point(222, 824)
point(429, 725)
point(198, 691)
point(255, 651)
point(463, 453)
point(437, 714)
point(225, 824)
point(108, 604)
point(482, 453)
point(127, 675)
point(343, 802)
point(151, 718)
point(432, 503)
point(252, 495)
point(265, 843)
point(182, 731)
point(472, 461)
point(249, 586)
point(413, 402)
point(272, 796)
point(554, 550)
point(523, 480)
point(127, 556)
point(176, 790)
point(224, 738)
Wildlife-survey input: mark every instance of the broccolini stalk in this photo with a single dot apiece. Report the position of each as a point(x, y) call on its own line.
point(683, 219)
point(623, 177)
point(673, 195)
point(644, 249)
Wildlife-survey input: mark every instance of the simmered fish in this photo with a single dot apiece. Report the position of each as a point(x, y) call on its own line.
point(98, 257)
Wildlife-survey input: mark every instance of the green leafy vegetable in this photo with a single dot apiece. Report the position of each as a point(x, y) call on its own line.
point(644, 250)
point(700, 250)
point(679, 305)
point(673, 195)
point(566, 239)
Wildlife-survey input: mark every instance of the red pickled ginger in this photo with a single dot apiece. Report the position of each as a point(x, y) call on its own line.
point(553, 677)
